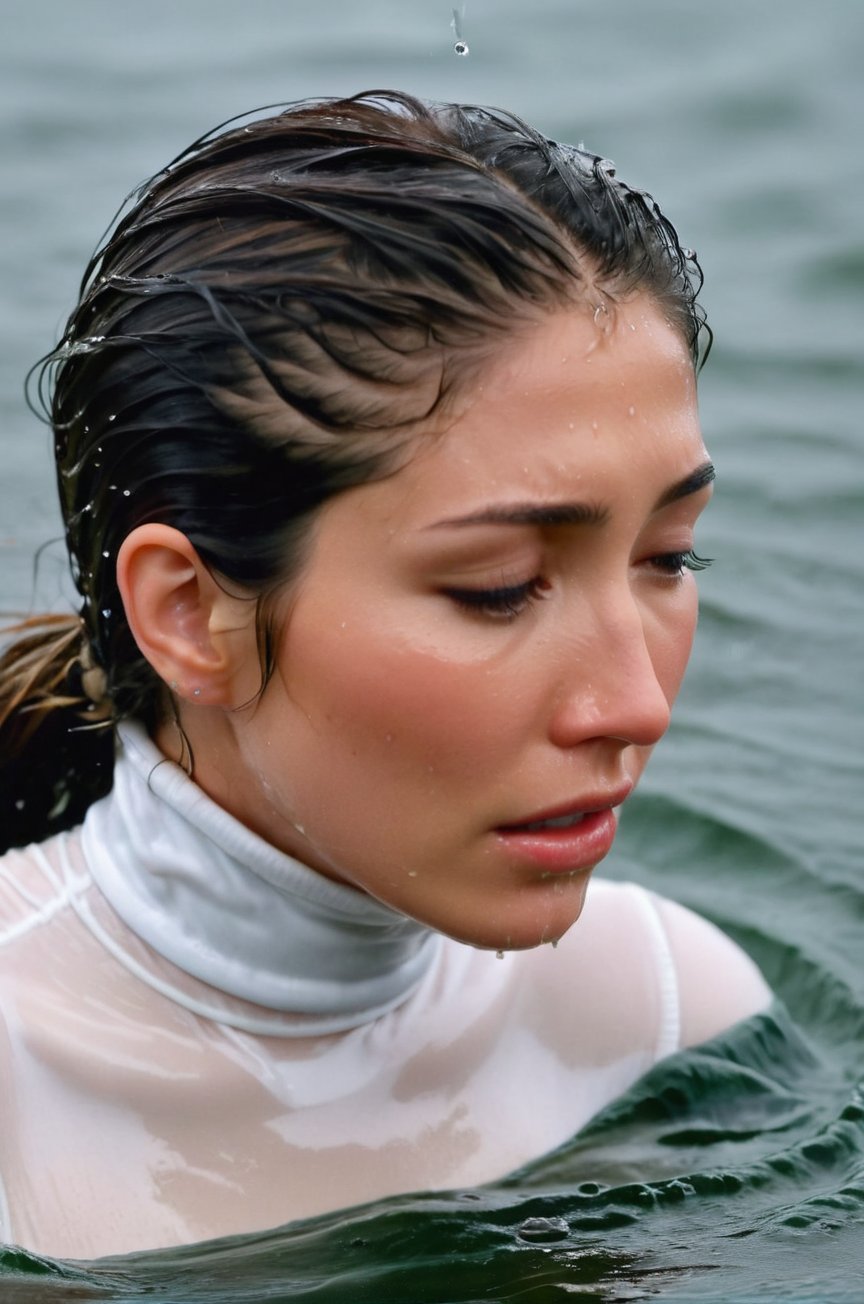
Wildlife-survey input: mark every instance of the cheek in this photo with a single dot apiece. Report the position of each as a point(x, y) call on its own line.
point(672, 640)
point(384, 703)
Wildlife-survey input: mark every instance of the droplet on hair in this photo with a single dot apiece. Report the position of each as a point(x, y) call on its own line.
point(127, 493)
point(462, 49)
point(112, 416)
point(20, 803)
point(105, 552)
point(106, 612)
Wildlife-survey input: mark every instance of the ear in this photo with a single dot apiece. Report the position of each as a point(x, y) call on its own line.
point(200, 639)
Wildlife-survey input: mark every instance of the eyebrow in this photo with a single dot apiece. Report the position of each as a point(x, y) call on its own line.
point(574, 513)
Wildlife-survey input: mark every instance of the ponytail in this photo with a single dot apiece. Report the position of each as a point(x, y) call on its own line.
point(56, 740)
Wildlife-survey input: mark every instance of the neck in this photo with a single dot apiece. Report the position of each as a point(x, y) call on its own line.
point(231, 910)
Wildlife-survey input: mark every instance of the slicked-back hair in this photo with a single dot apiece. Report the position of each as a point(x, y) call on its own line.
point(280, 314)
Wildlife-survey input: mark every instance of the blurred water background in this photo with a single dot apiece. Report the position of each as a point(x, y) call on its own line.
point(735, 1173)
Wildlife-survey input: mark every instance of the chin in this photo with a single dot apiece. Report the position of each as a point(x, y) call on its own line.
point(522, 929)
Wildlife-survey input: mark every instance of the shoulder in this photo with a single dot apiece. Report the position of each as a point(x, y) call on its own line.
point(33, 887)
point(718, 984)
point(646, 975)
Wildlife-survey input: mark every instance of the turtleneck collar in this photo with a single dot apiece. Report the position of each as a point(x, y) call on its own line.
point(217, 901)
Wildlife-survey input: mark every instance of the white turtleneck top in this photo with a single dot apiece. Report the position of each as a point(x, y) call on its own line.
point(201, 1036)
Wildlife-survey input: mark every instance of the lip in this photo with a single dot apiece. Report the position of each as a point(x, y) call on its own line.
point(588, 805)
point(572, 848)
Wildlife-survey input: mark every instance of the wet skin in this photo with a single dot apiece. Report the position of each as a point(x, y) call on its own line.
point(494, 634)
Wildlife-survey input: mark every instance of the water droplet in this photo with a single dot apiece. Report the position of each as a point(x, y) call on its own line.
point(499, 955)
point(461, 46)
point(105, 552)
point(127, 493)
point(631, 411)
point(554, 943)
point(412, 873)
point(543, 1229)
point(388, 738)
point(20, 803)
point(106, 612)
point(112, 416)
point(112, 486)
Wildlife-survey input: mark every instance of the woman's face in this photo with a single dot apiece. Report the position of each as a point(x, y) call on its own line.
point(484, 648)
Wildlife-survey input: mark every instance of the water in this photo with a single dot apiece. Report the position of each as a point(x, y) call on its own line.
point(734, 1173)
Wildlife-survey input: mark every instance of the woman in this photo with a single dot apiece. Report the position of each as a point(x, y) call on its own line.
point(378, 451)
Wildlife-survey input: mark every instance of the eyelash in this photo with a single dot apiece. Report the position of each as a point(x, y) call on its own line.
point(504, 603)
point(674, 563)
point(511, 600)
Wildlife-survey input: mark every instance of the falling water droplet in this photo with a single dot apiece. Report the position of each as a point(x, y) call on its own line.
point(460, 46)
point(499, 955)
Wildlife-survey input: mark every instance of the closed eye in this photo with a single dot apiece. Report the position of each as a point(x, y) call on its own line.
point(675, 563)
point(504, 603)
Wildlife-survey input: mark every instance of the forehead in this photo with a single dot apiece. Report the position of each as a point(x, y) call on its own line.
point(575, 401)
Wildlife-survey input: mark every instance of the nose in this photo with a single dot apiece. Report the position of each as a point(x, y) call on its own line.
point(618, 681)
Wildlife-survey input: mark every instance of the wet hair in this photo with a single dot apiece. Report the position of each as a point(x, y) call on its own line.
point(276, 316)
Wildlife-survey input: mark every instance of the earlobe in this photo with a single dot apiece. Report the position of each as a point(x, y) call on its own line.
point(179, 616)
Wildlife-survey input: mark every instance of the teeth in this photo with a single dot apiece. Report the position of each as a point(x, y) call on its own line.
point(561, 822)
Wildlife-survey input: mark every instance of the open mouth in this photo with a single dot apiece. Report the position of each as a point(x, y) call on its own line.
point(559, 822)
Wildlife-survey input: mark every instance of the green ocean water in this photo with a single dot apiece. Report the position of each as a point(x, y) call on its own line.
point(734, 1172)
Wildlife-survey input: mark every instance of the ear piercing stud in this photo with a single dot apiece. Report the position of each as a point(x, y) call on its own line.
point(175, 688)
